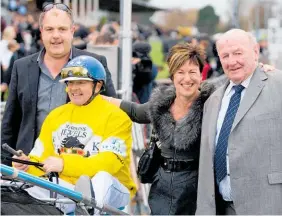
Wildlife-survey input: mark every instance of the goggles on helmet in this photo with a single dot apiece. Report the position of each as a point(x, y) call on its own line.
point(75, 73)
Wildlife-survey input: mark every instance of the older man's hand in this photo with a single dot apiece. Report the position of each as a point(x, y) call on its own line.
point(53, 164)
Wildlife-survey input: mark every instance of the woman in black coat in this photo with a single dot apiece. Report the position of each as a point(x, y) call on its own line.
point(176, 115)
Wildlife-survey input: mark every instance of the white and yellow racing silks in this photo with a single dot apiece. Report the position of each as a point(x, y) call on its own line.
point(91, 138)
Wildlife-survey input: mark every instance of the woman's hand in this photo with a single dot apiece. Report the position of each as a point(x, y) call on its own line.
point(112, 100)
point(53, 164)
point(266, 67)
point(20, 166)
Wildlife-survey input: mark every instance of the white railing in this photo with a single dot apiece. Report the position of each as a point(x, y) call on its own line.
point(2, 108)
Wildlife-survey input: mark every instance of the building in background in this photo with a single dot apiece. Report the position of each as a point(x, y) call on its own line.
point(90, 12)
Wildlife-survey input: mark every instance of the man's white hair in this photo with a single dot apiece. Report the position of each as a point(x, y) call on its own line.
point(251, 37)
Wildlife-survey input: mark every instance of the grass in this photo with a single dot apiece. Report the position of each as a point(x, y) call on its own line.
point(158, 59)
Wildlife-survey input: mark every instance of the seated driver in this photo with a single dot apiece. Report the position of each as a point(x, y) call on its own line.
point(88, 136)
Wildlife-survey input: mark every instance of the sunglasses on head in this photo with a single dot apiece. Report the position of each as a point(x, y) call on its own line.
point(59, 6)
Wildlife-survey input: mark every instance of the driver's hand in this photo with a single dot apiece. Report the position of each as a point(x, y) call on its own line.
point(21, 166)
point(53, 164)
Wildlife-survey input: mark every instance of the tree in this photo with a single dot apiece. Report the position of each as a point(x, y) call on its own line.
point(207, 20)
point(260, 13)
point(251, 14)
point(178, 17)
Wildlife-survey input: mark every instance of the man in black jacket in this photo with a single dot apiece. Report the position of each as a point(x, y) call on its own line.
point(34, 89)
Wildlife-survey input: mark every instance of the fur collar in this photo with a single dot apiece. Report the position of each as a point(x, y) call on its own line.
point(188, 130)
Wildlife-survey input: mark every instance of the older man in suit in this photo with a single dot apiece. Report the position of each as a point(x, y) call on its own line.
point(34, 88)
point(240, 170)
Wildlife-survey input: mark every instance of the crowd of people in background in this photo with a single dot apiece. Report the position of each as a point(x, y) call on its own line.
point(20, 36)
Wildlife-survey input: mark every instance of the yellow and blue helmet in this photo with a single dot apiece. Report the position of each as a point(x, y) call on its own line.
point(83, 68)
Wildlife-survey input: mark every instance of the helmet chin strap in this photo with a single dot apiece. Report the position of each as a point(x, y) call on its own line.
point(93, 94)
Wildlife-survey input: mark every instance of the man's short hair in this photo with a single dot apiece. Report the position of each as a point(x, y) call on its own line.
point(42, 14)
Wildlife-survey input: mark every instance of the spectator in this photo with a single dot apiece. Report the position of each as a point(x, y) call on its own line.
point(176, 116)
point(263, 50)
point(17, 54)
point(9, 34)
point(240, 157)
point(34, 89)
point(81, 31)
point(144, 72)
point(3, 24)
point(106, 39)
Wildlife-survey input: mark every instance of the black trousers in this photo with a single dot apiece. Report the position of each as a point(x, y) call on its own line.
point(174, 193)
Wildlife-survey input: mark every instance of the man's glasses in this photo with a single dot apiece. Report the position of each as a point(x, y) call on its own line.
point(59, 6)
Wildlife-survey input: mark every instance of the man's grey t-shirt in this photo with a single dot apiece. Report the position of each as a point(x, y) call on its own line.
point(51, 93)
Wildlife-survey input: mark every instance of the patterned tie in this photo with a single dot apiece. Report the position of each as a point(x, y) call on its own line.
point(222, 142)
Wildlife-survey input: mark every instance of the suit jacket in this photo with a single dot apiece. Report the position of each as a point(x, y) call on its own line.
point(254, 145)
point(19, 119)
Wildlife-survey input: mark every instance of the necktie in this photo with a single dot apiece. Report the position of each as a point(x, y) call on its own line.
point(222, 142)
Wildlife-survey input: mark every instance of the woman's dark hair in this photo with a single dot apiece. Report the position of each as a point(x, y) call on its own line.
point(181, 53)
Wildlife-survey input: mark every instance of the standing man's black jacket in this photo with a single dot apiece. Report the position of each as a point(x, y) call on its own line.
point(19, 120)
